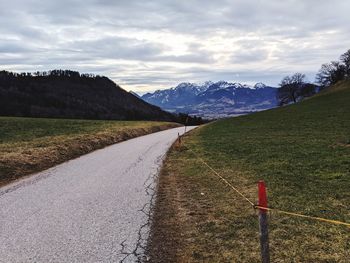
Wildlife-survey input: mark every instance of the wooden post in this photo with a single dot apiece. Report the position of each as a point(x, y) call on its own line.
point(179, 137)
point(263, 224)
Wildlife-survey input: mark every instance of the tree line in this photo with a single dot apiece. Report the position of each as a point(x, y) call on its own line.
point(50, 73)
point(294, 88)
point(331, 73)
point(189, 120)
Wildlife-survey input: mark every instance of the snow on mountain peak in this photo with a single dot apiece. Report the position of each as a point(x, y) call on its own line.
point(210, 85)
point(184, 85)
point(259, 85)
point(189, 87)
point(187, 90)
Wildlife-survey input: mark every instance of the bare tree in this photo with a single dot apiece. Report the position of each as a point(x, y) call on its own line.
point(345, 59)
point(330, 73)
point(291, 89)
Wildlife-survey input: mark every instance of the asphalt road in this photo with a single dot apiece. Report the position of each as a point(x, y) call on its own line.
point(91, 209)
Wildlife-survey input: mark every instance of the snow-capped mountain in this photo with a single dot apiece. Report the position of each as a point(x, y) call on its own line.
point(213, 100)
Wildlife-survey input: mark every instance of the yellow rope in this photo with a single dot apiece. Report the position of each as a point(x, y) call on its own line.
point(267, 208)
point(304, 216)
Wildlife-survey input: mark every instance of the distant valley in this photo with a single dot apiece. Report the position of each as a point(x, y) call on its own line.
point(214, 99)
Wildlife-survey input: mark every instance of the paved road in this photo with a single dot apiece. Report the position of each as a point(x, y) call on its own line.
point(91, 209)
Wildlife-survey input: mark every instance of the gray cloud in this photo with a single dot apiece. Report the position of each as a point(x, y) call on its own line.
point(154, 44)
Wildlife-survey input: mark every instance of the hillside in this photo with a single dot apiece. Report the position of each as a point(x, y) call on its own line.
point(68, 94)
point(302, 151)
point(214, 100)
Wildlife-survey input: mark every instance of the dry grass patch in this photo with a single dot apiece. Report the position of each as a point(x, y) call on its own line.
point(29, 145)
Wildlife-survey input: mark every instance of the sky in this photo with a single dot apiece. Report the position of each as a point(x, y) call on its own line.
point(148, 45)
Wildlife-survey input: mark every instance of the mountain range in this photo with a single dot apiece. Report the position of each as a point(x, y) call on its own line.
point(214, 99)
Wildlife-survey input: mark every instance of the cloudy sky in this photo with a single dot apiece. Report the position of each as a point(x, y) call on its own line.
point(147, 45)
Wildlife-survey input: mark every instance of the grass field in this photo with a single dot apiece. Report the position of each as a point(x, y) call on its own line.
point(302, 152)
point(29, 145)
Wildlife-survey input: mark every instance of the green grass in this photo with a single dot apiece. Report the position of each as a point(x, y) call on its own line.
point(302, 152)
point(14, 129)
point(301, 147)
point(28, 145)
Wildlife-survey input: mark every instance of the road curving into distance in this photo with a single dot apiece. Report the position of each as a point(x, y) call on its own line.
point(91, 209)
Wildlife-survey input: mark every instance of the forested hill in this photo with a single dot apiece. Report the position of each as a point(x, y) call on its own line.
point(69, 94)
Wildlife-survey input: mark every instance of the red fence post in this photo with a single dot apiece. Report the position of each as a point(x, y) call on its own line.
point(263, 224)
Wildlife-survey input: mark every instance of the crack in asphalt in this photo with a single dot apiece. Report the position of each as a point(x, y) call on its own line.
point(139, 251)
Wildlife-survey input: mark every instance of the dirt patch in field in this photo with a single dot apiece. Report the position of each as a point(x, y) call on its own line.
point(24, 159)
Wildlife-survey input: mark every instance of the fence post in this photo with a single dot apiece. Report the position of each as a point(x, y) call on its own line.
point(263, 224)
point(179, 137)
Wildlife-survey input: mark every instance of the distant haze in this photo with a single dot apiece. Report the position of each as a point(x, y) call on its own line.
point(149, 45)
